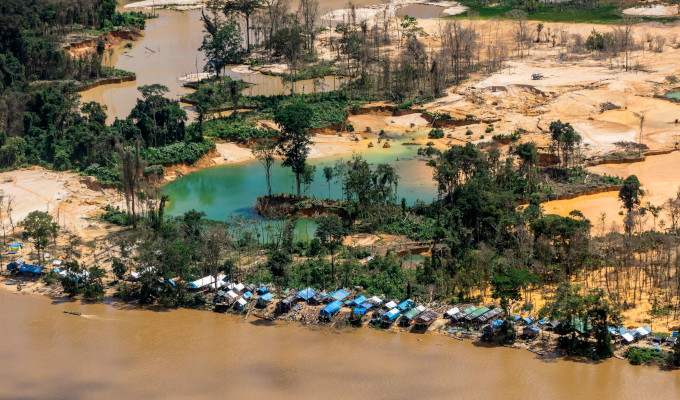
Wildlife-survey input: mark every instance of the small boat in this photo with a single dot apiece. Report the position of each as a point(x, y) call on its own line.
point(263, 317)
point(72, 312)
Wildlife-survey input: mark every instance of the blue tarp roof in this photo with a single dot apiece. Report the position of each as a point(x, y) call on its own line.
point(262, 290)
point(358, 300)
point(266, 297)
point(362, 308)
point(392, 315)
point(338, 295)
point(247, 295)
point(497, 323)
point(405, 305)
point(531, 328)
point(623, 330)
point(31, 269)
point(330, 309)
point(306, 293)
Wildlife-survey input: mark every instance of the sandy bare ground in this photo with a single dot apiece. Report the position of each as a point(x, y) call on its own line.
point(656, 10)
point(162, 3)
point(66, 196)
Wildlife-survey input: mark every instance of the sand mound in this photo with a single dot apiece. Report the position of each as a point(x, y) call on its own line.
point(600, 136)
point(407, 120)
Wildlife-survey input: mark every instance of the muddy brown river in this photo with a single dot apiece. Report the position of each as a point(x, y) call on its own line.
point(169, 50)
point(118, 351)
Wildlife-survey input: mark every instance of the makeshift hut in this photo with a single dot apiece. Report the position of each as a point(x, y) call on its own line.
point(262, 290)
point(306, 294)
point(251, 288)
point(530, 331)
point(317, 298)
point(263, 300)
point(240, 304)
point(286, 304)
point(490, 315)
point(338, 295)
point(425, 319)
point(390, 305)
point(357, 301)
point(362, 308)
point(473, 316)
point(374, 301)
point(406, 305)
point(389, 317)
point(449, 314)
point(207, 282)
point(30, 269)
point(408, 317)
point(330, 310)
point(14, 265)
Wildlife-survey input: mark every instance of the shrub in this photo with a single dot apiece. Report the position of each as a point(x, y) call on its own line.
point(468, 132)
point(435, 134)
point(177, 152)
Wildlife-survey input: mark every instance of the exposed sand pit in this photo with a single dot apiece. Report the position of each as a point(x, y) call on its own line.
point(601, 135)
point(657, 10)
point(64, 195)
point(660, 178)
point(407, 120)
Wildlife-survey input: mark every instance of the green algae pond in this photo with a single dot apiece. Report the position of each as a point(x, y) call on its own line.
point(232, 190)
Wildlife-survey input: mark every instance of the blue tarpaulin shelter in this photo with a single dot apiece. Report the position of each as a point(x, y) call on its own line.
point(358, 301)
point(391, 315)
point(31, 269)
point(262, 290)
point(306, 293)
point(330, 309)
point(362, 308)
point(338, 295)
point(530, 331)
point(497, 323)
point(263, 300)
point(247, 295)
point(405, 305)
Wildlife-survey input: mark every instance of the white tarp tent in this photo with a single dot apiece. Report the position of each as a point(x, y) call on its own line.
point(238, 288)
point(231, 295)
point(452, 312)
point(628, 337)
point(420, 308)
point(206, 282)
point(390, 305)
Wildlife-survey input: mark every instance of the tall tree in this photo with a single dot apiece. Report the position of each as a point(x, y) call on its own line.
point(245, 8)
point(221, 42)
point(528, 153)
point(264, 150)
point(330, 231)
point(293, 145)
point(39, 229)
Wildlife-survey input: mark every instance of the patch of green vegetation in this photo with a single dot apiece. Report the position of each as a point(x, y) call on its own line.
point(329, 108)
point(314, 71)
point(235, 128)
point(177, 152)
point(642, 356)
point(114, 215)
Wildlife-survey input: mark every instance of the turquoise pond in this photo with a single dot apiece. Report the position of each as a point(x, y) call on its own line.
point(226, 190)
point(673, 95)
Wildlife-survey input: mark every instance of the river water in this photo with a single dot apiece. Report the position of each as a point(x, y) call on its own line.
point(122, 352)
point(169, 50)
